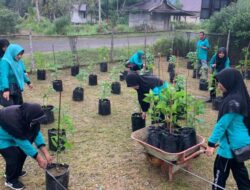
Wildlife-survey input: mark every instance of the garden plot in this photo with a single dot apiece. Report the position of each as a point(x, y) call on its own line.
point(103, 155)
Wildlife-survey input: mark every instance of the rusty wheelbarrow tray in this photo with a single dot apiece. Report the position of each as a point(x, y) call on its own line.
point(178, 160)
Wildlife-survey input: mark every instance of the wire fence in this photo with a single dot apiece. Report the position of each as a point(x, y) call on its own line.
point(124, 44)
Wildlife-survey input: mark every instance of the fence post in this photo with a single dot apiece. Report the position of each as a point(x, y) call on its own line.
point(228, 41)
point(32, 61)
point(112, 46)
point(145, 43)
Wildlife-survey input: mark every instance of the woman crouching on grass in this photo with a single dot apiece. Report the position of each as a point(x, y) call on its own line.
point(231, 131)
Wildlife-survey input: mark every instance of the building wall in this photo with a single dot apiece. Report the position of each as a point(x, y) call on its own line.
point(76, 18)
point(154, 20)
point(138, 19)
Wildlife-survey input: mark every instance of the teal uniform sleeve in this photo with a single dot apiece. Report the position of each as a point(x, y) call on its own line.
point(227, 64)
point(25, 77)
point(212, 61)
point(207, 44)
point(220, 128)
point(39, 140)
point(27, 147)
point(4, 75)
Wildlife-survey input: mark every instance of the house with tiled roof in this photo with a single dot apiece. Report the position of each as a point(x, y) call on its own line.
point(156, 14)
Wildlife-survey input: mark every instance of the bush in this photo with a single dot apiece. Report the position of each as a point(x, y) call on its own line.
point(8, 21)
point(185, 25)
point(162, 46)
point(234, 18)
point(62, 24)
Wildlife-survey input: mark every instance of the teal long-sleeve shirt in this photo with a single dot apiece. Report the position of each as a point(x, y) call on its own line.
point(213, 59)
point(7, 140)
point(7, 75)
point(202, 53)
point(237, 134)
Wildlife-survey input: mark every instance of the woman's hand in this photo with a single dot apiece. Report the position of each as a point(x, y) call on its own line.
point(30, 86)
point(41, 162)
point(6, 95)
point(210, 151)
point(46, 155)
point(143, 115)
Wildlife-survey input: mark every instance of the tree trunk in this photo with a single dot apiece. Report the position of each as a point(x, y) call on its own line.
point(37, 11)
point(112, 45)
point(99, 12)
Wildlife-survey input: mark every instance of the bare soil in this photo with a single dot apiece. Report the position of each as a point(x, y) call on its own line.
point(103, 155)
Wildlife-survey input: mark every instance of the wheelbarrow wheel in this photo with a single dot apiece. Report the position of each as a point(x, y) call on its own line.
point(153, 160)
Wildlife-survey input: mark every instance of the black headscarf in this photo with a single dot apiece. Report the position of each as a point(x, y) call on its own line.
point(22, 121)
point(3, 43)
point(145, 83)
point(221, 62)
point(236, 91)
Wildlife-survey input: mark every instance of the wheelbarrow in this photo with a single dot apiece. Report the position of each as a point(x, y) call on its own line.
point(169, 162)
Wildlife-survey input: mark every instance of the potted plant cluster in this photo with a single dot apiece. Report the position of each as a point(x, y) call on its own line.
point(216, 101)
point(92, 76)
point(78, 93)
point(104, 106)
point(75, 60)
point(192, 59)
point(169, 136)
point(58, 143)
point(114, 76)
point(75, 68)
point(41, 66)
point(171, 68)
point(203, 83)
point(56, 83)
point(102, 56)
point(48, 109)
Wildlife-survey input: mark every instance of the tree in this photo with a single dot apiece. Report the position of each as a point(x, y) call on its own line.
point(235, 18)
point(8, 19)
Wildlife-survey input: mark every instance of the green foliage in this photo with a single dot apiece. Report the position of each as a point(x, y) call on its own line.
point(82, 76)
point(105, 90)
point(192, 56)
point(174, 104)
point(61, 24)
point(8, 21)
point(194, 109)
point(115, 72)
point(234, 18)
point(150, 59)
point(40, 60)
point(46, 95)
point(153, 100)
point(163, 46)
point(103, 54)
point(172, 59)
point(67, 126)
point(180, 25)
point(180, 83)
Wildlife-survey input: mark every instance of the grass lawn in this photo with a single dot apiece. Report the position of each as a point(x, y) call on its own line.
point(103, 154)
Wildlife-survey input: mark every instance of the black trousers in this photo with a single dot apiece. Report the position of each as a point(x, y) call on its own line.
point(132, 66)
point(14, 100)
point(222, 167)
point(14, 158)
point(213, 90)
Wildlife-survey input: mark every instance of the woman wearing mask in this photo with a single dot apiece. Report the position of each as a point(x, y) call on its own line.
point(232, 130)
point(13, 76)
point(219, 61)
point(19, 128)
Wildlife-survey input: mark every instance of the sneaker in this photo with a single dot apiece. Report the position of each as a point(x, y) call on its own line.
point(17, 185)
point(209, 100)
point(23, 173)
